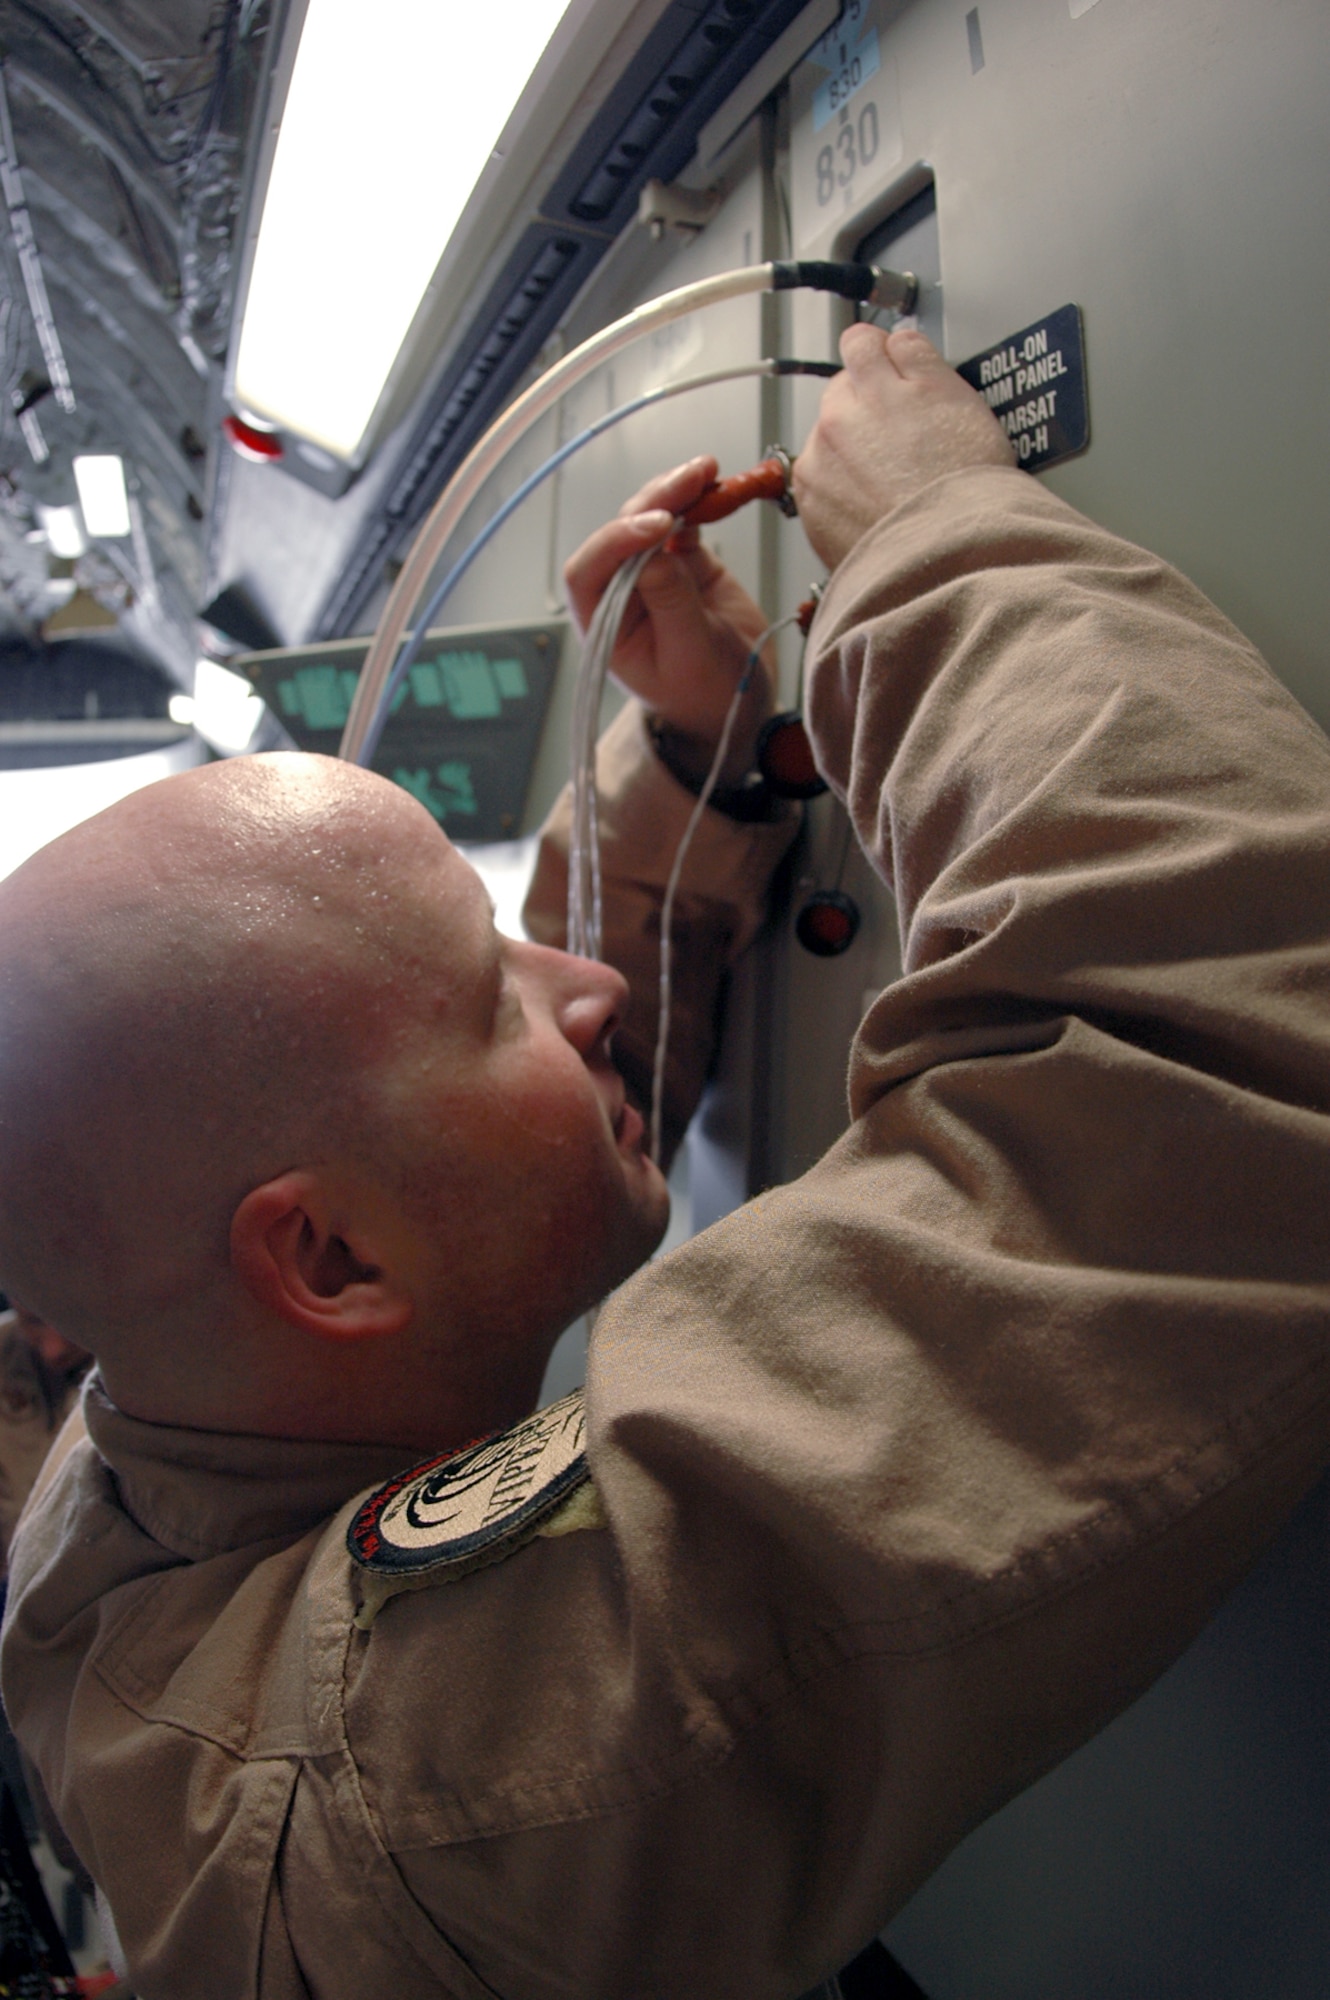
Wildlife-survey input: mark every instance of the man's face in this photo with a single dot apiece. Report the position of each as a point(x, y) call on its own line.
point(523, 1157)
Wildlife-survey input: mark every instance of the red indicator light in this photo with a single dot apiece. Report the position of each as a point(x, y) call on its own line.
point(263, 447)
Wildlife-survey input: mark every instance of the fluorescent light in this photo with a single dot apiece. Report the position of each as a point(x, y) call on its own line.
point(392, 114)
point(100, 479)
point(180, 708)
point(225, 710)
point(63, 532)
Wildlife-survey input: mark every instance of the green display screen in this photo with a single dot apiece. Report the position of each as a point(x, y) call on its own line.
point(464, 727)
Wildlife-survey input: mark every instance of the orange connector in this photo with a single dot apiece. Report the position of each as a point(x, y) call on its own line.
point(769, 480)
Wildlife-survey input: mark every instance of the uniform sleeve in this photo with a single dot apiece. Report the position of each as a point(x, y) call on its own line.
point(720, 904)
point(918, 1470)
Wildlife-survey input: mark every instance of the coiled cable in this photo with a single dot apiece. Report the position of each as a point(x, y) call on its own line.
point(676, 874)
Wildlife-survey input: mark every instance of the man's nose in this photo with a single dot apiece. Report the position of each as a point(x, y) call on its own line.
point(588, 998)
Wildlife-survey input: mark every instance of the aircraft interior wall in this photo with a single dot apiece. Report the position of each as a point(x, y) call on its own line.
point(1164, 170)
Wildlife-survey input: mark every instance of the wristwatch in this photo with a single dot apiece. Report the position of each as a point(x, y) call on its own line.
point(751, 800)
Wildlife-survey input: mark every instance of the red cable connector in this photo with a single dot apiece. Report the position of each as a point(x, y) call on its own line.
point(768, 480)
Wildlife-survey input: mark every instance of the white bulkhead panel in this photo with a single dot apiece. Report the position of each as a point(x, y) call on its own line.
point(1164, 169)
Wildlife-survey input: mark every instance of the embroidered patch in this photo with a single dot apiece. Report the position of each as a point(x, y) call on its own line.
point(470, 1507)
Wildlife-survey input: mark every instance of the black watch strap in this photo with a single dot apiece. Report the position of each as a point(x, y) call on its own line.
point(751, 801)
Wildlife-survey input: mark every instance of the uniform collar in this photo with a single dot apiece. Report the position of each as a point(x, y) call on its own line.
point(200, 1493)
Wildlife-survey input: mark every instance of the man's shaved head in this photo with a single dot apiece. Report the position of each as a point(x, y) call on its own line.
point(187, 1005)
point(289, 1137)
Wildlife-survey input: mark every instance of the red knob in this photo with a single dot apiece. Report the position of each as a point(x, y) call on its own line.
point(828, 923)
point(785, 758)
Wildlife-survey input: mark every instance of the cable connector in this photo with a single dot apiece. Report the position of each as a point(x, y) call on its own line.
point(769, 480)
point(894, 291)
point(804, 615)
point(776, 454)
point(890, 291)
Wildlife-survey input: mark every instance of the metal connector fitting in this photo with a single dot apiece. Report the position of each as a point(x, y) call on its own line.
point(893, 291)
point(786, 500)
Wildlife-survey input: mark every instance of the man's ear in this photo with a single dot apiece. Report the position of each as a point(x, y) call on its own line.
point(318, 1258)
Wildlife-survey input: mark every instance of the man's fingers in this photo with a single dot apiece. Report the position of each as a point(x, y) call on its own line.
point(642, 520)
point(676, 489)
point(868, 351)
point(913, 354)
point(863, 349)
point(669, 590)
point(588, 572)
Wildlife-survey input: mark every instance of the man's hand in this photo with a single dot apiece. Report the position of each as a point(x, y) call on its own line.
point(896, 419)
point(688, 629)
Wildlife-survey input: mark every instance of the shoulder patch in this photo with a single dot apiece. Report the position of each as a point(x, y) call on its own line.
point(466, 1508)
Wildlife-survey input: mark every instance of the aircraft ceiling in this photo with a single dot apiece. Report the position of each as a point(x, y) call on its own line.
point(130, 127)
point(136, 129)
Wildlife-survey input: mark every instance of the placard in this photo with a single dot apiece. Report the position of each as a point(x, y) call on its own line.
point(1034, 383)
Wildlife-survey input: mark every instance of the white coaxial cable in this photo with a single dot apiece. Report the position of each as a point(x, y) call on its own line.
point(443, 590)
point(480, 461)
point(852, 281)
point(585, 928)
point(585, 917)
point(676, 873)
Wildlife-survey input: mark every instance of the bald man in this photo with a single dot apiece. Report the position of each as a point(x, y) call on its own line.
point(888, 1490)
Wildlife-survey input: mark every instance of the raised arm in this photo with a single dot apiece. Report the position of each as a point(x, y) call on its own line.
point(917, 1470)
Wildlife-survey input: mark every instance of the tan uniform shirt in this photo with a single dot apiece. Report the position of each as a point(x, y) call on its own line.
point(913, 1472)
point(34, 1403)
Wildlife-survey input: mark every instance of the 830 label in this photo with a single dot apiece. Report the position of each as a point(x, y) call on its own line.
point(855, 145)
point(849, 53)
point(848, 133)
